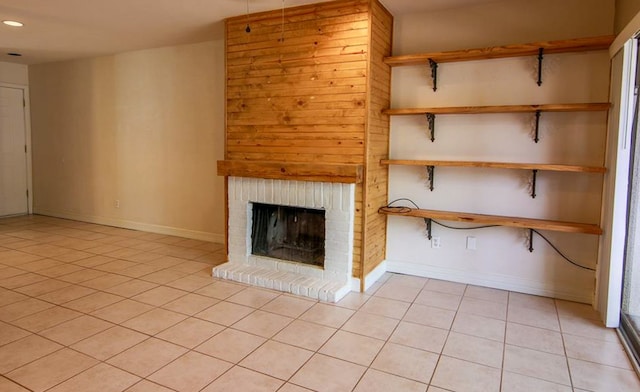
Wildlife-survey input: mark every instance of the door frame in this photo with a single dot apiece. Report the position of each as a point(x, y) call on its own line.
point(27, 129)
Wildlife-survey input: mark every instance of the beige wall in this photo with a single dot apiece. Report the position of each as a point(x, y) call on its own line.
point(625, 11)
point(14, 73)
point(501, 23)
point(144, 128)
point(502, 259)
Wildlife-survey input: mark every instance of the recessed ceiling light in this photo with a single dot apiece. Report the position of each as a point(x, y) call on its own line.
point(13, 23)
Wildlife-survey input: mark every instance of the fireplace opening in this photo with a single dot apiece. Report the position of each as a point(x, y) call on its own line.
point(288, 233)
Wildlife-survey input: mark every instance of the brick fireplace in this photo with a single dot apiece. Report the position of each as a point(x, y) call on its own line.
point(328, 283)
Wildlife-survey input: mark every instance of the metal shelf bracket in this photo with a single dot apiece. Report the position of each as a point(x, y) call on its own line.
point(431, 120)
point(430, 176)
point(534, 175)
point(540, 57)
point(434, 73)
point(531, 240)
point(427, 222)
point(537, 135)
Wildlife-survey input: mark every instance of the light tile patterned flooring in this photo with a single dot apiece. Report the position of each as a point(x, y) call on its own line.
point(85, 307)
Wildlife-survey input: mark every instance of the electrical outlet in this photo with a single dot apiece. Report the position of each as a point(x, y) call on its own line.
point(471, 243)
point(435, 242)
point(116, 203)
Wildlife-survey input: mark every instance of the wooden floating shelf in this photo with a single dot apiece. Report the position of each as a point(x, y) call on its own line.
point(495, 52)
point(525, 223)
point(567, 107)
point(498, 165)
point(301, 171)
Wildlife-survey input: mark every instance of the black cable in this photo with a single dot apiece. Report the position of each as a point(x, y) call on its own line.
point(560, 253)
point(403, 209)
point(402, 199)
point(399, 209)
point(462, 228)
point(396, 210)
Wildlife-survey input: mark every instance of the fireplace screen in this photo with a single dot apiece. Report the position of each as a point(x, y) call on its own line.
point(288, 233)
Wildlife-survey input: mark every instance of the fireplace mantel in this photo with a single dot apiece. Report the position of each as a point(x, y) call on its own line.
point(298, 171)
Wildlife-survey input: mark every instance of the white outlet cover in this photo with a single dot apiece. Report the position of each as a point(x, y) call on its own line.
point(471, 243)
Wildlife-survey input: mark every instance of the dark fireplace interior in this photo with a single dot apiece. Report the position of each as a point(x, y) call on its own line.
point(288, 233)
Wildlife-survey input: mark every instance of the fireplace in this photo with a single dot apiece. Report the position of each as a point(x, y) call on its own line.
point(311, 147)
point(288, 233)
point(329, 249)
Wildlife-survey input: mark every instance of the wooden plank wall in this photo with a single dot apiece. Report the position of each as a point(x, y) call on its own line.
point(300, 91)
point(377, 139)
point(301, 98)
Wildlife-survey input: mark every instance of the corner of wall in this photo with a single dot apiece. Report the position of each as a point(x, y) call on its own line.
point(370, 279)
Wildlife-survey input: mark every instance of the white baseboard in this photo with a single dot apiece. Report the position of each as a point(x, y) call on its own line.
point(371, 278)
point(496, 281)
point(126, 224)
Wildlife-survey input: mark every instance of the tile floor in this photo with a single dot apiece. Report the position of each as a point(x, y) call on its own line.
point(85, 307)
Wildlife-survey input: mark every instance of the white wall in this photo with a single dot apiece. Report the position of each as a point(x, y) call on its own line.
point(14, 73)
point(502, 258)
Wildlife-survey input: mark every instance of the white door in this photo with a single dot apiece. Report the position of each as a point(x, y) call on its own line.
point(13, 157)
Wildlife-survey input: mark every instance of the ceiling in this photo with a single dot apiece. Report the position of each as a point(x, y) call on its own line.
point(57, 30)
